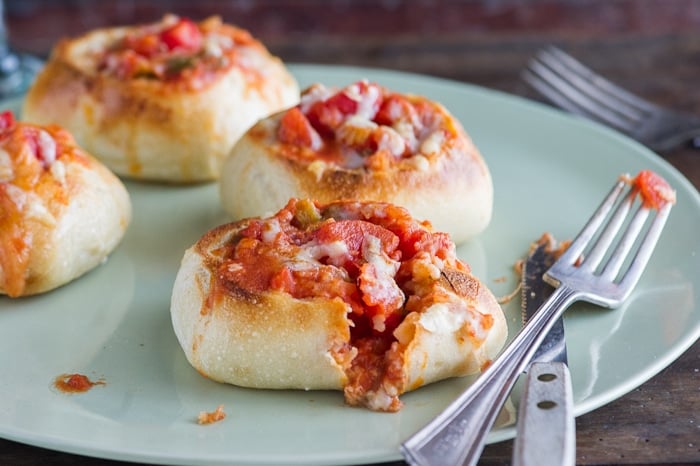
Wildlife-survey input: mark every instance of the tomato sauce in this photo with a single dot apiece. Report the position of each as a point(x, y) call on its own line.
point(75, 383)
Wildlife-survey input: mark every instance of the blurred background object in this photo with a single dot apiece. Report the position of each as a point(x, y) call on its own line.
point(16, 69)
point(485, 42)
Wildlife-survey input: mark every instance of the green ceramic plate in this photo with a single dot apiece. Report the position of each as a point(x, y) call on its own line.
point(550, 172)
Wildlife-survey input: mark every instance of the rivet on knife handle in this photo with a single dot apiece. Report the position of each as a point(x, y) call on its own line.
point(547, 400)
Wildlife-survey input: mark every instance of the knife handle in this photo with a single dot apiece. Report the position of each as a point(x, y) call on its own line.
point(546, 432)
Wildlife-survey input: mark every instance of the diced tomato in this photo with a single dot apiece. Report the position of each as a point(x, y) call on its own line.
point(7, 120)
point(353, 233)
point(653, 189)
point(327, 115)
point(296, 129)
point(326, 118)
point(283, 281)
point(253, 230)
point(342, 103)
point(184, 35)
point(396, 108)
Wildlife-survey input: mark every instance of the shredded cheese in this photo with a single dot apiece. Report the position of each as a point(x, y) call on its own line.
point(270, 230)
point(58, 171)
point(310, 254)
point(390, 141)
point(47, 147)
point(432, 143)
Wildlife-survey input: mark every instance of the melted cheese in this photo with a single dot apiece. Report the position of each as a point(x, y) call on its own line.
point(270, 230)
point(439, 318)
point(419, 162)
point(448, 318)
point(58, 171)
point(372, 252)
point(6, 170)
point(315, 93)
point(310, 254)
point(46, 147)
point(367, 101)
point(391, 141)
point(433, 143)
point(31, 205)
point(355, 130)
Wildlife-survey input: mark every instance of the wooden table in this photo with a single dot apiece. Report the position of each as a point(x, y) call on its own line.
point(649, 46)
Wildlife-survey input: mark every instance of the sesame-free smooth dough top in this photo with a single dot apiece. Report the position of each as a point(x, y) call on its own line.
point(164, 101)
point(362, 142)
point(61, 211)
point(353, 296)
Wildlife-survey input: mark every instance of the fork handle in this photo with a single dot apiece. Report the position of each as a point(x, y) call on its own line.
point(458, 434)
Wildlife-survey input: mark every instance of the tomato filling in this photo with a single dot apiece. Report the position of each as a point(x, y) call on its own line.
point(180, 51)
point(654, 191)
point(363, 125)
point(373, 256)
point(30, 172)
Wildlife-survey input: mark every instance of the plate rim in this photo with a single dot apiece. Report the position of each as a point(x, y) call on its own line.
point(508, 99)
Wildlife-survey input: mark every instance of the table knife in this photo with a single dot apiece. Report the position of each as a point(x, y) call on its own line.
point(546, 432)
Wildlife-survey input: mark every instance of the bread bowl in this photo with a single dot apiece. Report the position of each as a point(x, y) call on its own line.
point(363, 142)
point(164, 101)
point(350, 295)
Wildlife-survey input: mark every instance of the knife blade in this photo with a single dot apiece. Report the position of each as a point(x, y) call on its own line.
point(546, 432)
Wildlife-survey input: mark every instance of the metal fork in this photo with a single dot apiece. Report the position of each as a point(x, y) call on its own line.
point(572, 86)
point(602, 266)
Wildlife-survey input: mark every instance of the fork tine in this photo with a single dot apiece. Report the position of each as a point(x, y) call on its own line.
point(612, 268)
point(603, 83)
point(601, 246)
point(636, 268)
point(546, 89)
point(573, 252)
point(592, 85)
point(565, 95)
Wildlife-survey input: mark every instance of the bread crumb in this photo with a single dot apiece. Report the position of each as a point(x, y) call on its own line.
point(211, 417)
point(509, 297)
